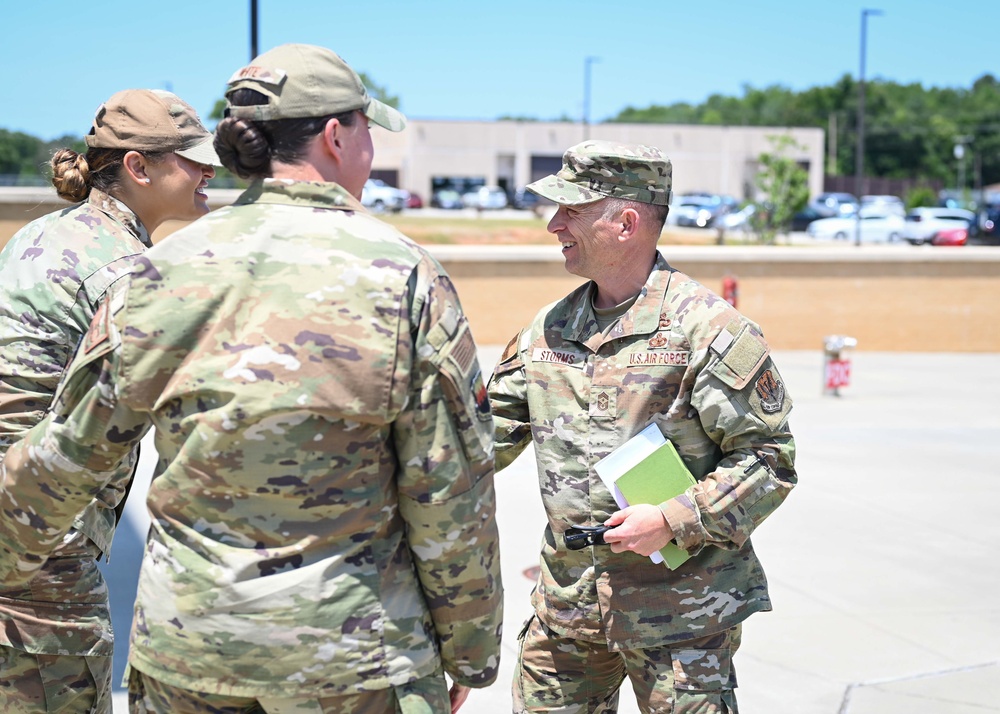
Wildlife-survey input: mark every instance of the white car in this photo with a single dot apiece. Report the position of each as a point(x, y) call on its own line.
point(922, 224)
point(874, 229)
point(485, 197)
point(737, 221)
point(378, 197)
point(882, 206)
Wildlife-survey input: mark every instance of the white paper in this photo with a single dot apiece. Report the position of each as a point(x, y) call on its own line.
point(624, 458)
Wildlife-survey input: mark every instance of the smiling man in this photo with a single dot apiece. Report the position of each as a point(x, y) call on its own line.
point(639, 343)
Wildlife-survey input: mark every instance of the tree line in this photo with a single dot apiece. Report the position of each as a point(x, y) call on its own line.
point(910, 131)
point(24, 156)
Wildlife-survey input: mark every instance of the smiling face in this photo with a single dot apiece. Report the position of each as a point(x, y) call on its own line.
point(179, 188)
point(589, 239)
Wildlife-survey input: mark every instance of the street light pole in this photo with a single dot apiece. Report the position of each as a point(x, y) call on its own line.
point(587, 61)
point(253, 29)
point(859, 159)
point(960, 151)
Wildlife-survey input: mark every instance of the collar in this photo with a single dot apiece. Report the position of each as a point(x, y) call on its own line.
point(119, 212)
point(643, 318)
point(313, 194)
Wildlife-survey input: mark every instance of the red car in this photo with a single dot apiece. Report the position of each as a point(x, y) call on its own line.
point(414, 201)
point(951, 236)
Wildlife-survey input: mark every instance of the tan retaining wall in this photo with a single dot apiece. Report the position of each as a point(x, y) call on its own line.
point(893, 298)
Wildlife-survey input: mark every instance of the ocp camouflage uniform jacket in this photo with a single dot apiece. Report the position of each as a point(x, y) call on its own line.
point(323, 507)
point(54, 273)
point(681, 357)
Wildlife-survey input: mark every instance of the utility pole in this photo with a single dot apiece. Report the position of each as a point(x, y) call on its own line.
point(253, 29)
point(587, 61)
point(961, 142)
point(859, 159)
point(831, 143)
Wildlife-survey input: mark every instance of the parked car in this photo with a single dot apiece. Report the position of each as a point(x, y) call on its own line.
point(414, 201)
point(485, 198)
point(874, 229)
point(835, 204)
point(378, 196)
point(951, 236)
point(446, 198)
point(802, 219)
point(737, 220)
point(987, 231)
point(528, 201)
point(882, 206)
point(700, 210)
point(922, 224)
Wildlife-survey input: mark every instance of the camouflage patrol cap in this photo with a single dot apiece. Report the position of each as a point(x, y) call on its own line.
point(152, 120)
point(303, 81)
point(595, 170)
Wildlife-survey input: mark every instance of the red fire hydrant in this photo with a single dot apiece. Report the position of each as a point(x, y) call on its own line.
point(730, 289)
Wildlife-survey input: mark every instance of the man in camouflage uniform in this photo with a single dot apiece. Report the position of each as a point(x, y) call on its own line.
point(56, 638)
point(323, 534)
point(639, 343)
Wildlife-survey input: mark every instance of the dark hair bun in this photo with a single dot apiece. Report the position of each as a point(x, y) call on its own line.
point(243, 148)
point(70, 175)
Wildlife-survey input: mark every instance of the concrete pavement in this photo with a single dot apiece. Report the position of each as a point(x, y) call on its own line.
point(880, 563)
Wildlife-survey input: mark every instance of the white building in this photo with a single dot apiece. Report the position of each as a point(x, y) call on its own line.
point(431, 154)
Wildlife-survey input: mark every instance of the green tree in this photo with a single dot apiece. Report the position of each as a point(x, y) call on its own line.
point(784, 184)
point(910, 131)
point(24, 159)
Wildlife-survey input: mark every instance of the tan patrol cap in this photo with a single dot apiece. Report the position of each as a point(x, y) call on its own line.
point(594, 170)
point(303, 81)
point(152, 120)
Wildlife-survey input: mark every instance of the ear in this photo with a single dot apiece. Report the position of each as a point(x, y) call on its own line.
point(333, 140)
point(630, 224)
point(134, 165)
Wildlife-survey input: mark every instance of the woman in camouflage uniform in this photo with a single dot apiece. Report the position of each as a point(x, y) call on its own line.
point(148, 161)
point(323, 535)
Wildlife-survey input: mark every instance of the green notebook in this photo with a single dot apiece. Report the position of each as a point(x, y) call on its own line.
point(647, 469)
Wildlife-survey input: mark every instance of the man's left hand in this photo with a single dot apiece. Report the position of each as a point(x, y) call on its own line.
point(458, 694)
point(641, 529)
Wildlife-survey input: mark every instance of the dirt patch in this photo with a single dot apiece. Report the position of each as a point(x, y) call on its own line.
point(459, 230)
point(488, 231)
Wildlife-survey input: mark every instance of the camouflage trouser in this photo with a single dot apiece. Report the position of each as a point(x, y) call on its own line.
point(428, 695)
point(63, 684)
point(567, 676)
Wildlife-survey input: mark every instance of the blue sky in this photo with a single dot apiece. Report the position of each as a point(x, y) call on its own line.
point(480, 59)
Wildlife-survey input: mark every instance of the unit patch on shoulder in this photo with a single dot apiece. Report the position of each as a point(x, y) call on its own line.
point(771, 392)
point(98, 331)
point(479, 393)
